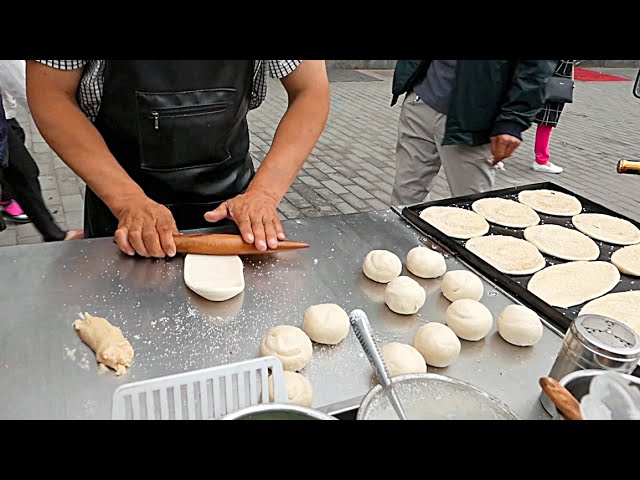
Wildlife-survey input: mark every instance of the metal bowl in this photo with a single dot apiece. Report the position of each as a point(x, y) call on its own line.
point(429, 396)
point(578, 384)
point(278, 411)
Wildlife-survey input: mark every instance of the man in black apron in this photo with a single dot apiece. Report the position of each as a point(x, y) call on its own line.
point(169, 147)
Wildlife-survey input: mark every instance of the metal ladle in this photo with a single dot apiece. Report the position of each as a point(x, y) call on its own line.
point(362, 328)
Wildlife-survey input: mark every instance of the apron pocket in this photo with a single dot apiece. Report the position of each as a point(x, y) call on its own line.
point(184, 130)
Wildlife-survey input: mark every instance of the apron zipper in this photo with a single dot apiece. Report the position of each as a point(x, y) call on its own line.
point(185, 112)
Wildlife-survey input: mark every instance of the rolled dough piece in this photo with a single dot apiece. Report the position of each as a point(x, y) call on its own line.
point(402, 359)
point(627, 260)
point(562, 242)
point(455, 222)
point(551, 202)
point(469, 319)
point(382, 266)
point(426, 263)
point(299, 389)
point(326, 323)
point(438, 344)
point(459, 284)
point(214, 277)
point(509, 255)
point(290, 344)
point(519, 326)
point(506, 212)
point(607, 228)
point(107, 342)
point(569, 284)
point(404, 295)
point(622, 306)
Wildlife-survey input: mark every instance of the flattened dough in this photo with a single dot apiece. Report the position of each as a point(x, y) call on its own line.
point(627, 260)
point(456, 222)
point(509, 255)
point(623, 307)
point(506, 212)
point(551, 202)
point(569, 284)
point(107, 342)
point(214, 277)
point(562, 242)
point(607, 228)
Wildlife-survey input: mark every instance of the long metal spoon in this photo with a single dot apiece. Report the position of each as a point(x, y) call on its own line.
point(362, 328)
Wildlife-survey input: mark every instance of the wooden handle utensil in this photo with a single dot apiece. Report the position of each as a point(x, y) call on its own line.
point(561, 398)
point(226, 244)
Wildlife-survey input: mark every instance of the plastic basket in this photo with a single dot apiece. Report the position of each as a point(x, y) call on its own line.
point(206, 394)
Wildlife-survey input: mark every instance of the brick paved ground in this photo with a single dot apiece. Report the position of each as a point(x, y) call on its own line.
point(352, 168)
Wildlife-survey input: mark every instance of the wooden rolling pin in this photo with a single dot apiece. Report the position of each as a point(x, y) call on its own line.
point(226, 244)
point(561, 398)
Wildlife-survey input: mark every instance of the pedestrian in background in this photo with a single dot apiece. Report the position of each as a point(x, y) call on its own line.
point(19, 178)
point(465, 116)
point(547, 119)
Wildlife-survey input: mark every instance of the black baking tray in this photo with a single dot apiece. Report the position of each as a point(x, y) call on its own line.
point(516, 285)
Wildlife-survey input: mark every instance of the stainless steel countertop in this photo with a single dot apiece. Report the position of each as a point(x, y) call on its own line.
point(47, 372)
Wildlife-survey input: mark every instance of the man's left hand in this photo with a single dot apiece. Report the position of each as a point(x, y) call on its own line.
point(503, 146)
point(255, 212)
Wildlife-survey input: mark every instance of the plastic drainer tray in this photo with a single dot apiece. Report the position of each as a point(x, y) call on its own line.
point(206, 394)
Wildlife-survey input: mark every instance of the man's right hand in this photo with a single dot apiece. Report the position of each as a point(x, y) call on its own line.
point(146, 228)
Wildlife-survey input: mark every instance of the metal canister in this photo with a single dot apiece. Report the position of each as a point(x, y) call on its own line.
point(595, 342)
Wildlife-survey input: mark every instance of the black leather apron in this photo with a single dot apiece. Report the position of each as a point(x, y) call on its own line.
point(179, 129)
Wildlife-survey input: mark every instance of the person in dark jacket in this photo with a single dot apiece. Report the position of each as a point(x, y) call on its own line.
point(546, 120)
point(463, 115)
point(4, 149)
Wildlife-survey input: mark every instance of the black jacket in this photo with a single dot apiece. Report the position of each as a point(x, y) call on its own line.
point(491, 97)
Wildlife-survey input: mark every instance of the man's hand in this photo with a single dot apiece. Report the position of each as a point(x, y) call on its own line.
point(255, 212)
point(146, 228)
point(503, 146)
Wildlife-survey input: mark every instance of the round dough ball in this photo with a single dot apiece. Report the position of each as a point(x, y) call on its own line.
point(290, 344)
point(404, 295)
point(460, 284)
point(402, 359)
point(438, 344)
point(326, 323)
point(382, 266)
point(426, 263)
point(469, 319)
point(299, 389)
point(519, 326)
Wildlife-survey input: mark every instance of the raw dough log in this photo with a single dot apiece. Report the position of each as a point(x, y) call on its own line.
point(107, 341)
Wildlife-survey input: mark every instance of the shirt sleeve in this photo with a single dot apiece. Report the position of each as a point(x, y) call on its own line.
point(64, 64)
point(282, 68)
point(12, 79)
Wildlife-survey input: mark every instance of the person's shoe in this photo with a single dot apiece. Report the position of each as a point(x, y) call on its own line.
point(74, 235)
point(12, 211)
point(547, 167)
